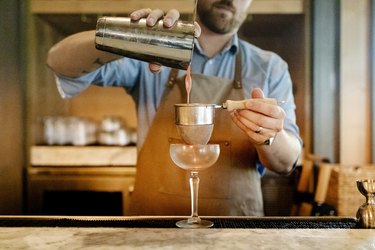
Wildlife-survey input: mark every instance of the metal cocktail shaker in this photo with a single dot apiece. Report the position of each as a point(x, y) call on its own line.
point(172, 47)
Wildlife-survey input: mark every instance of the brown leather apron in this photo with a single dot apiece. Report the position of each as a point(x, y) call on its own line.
point(231, 187)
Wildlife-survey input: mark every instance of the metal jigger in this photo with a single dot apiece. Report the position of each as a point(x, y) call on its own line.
point(195, 122)
point(366, 212)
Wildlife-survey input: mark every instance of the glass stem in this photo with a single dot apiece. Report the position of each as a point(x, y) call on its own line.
point(194, 187)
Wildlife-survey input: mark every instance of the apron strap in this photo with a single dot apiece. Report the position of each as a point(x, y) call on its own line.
point(238, 71)
point(172, 77)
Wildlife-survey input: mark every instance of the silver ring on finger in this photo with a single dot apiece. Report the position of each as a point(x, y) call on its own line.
point(259, 130)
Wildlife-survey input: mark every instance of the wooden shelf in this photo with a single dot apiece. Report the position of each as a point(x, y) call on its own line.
point(48, 172)
point(83, 156)
point(127, 6)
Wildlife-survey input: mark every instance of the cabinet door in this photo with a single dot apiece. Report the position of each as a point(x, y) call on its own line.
point(74, 195)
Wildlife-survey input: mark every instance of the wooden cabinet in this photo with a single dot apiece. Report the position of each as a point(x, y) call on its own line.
point(84, 190)
point(65, 180)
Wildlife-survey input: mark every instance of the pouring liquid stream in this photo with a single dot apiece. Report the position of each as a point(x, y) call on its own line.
point(188, 83)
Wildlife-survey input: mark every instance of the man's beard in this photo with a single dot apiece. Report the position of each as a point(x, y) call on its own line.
point(220, 23)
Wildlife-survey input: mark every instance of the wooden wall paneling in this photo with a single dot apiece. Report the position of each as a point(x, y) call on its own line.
point(325, 78)
point(42, 96)
point(355, 123)
point(294, 53)
point(372, 63)
point(307, 93)
point(11, 110)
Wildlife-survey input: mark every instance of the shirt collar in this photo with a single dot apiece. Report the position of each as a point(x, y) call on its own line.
point(232, 46)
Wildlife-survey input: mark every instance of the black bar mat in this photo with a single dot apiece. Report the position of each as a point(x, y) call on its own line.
point(259, 222)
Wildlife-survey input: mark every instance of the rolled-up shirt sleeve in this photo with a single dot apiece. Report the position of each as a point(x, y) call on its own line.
point(121, 73)
point(69, 87)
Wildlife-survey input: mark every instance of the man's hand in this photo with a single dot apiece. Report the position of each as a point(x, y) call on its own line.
point(152, 17)
point(260, 121)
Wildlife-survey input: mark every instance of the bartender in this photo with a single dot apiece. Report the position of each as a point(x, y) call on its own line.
point(262, 136)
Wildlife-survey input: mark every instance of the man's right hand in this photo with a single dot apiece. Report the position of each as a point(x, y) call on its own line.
point(152, 17)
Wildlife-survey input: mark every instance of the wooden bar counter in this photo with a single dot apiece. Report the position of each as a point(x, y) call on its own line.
point(67, 232)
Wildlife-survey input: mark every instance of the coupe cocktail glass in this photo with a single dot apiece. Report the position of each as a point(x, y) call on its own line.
point(194, 158)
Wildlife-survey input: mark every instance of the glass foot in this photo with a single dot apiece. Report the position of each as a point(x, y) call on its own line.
point(201, 224)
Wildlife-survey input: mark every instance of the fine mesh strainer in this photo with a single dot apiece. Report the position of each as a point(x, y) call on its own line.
point(195, 122)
